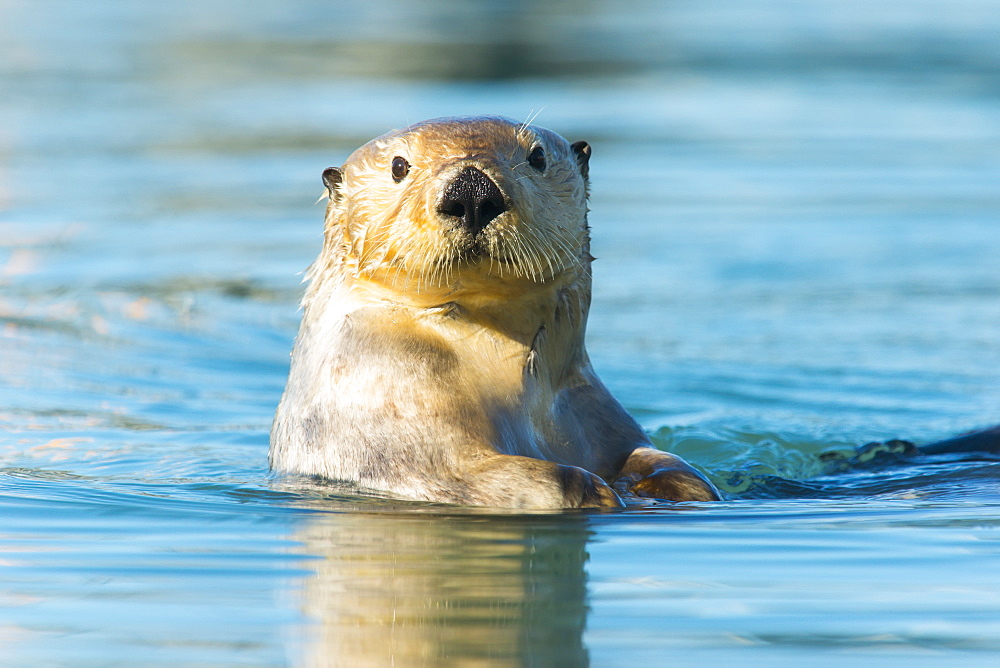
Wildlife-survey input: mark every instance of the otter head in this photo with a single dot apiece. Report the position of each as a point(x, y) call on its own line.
point(460, 204)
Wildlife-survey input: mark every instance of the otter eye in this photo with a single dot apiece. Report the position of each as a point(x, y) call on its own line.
point(400, 168)
point(537, 158)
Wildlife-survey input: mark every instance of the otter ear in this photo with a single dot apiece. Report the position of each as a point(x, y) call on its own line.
point(332, 178)
point(582, 151)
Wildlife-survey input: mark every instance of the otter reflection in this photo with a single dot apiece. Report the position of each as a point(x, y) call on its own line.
point(441, 588)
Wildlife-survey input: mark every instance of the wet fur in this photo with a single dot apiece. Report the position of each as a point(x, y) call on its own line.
point(440, 365)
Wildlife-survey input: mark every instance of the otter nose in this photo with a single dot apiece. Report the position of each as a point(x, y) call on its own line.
point(474, 199)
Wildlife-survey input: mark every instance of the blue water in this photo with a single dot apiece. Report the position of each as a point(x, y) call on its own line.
point(796, 212)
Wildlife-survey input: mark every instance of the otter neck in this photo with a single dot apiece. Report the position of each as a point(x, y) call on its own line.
point(533, 329)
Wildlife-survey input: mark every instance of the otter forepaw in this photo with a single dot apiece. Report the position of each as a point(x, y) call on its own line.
point(583, 489)
point(654, 474)
point(675, 485)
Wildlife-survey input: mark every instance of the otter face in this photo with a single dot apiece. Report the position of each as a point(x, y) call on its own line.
point(451, 202)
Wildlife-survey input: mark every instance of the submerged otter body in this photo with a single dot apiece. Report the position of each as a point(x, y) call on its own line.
point(441, 353)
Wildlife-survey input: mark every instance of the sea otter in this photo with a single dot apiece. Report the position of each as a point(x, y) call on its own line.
point(441, 354)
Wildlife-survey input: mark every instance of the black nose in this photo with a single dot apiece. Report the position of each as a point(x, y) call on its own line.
point(474, 199)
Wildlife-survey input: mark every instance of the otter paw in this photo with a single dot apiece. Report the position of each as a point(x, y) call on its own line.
point(675, 485)
point(583, 489)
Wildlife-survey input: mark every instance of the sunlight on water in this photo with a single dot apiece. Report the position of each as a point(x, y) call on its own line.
point(795, 213)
